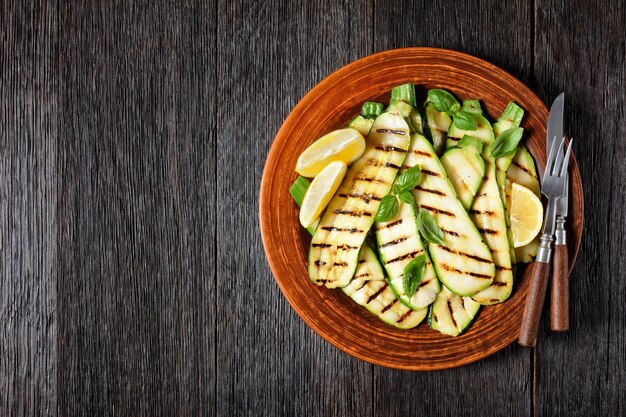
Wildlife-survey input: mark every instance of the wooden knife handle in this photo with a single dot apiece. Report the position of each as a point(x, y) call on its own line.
point(559, 300)
point(538, 274)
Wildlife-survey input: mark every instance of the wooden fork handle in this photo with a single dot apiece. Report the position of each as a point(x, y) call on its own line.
point(559, 300)
point(538, 274)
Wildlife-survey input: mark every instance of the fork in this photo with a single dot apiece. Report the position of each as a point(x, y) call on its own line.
point(553, 187)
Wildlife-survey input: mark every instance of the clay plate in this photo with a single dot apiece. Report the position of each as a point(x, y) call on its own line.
point(330, 105)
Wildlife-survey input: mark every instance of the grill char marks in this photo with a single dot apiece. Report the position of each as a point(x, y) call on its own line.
point(488, 231)
point(449, 232)
point(422, 153)
point(485, 212)
point(392, 131)
point(405, 316)
point(388, 148)
point(354, 213)
point(376, 294)
point(438, 211)
point(365, 197)
point(388, 306)
point(467, 255)
point(523, 168)
point(428, 190)
point(394, 242)
point(458, 271)
point(405, 256)
point(390, 165)
point(431, 173)
point(340, 229)
point(392, 224)
point(452, 314)
point(321, 245)
point(367, 179)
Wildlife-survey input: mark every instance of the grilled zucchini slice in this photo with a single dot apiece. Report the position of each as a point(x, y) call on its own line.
point(398, 243)
point(369, 289)
point(436, 127)
point(465, 168)
point(464, 265)
point(451, 314)
point(487, 213)
point(334, 252)
point(523, 172)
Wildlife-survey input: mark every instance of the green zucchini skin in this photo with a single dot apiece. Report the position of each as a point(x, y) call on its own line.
point(435, 127)
point(361, 124)
point(369, 289)
point(333, 255)
point(452, 314)
point(523, 171)
point(464, 265)
point(399, 243)
point(465, 168)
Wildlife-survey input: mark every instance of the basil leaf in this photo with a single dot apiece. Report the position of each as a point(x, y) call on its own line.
point(406, 197)
point(455, 108)
point(442, 100)
point(407, 180)
point(428, 228)
point(388, 208)
point(506, 143)
point(465, 121)
point(412, 276)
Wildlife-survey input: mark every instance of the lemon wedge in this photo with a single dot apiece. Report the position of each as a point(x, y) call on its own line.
point(321, 190)
point(345, 145)
point(526, 215)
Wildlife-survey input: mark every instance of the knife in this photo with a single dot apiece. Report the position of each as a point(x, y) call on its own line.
point(559, 300)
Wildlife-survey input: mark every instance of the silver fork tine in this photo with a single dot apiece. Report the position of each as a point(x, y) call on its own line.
point(566, 161)
point(559, 159)
point(549, 161)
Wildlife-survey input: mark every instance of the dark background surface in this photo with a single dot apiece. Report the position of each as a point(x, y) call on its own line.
point(132, 140)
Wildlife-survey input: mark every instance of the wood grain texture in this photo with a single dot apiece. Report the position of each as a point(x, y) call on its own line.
point(559, 290)
point(269, 362)
point(539, 274)
point(136, 212)
point(588, 65)
point(28, 231)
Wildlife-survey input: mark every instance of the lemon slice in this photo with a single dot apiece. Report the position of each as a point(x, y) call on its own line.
point(345, 145)
point(321, 190)
point(526, 215)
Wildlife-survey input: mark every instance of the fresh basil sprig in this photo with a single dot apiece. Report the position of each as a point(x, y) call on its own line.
point(506, 143)
point(407, 180)
point(401, 190)
point(406, 197)
point(388, 208)
point(445, 102)
point(428, 228)
point(465, 121)
point(412, 276)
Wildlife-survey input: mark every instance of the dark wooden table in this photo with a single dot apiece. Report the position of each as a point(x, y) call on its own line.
point(132, 139)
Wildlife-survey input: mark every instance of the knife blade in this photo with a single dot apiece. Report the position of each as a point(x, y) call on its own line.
point(554, 130)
